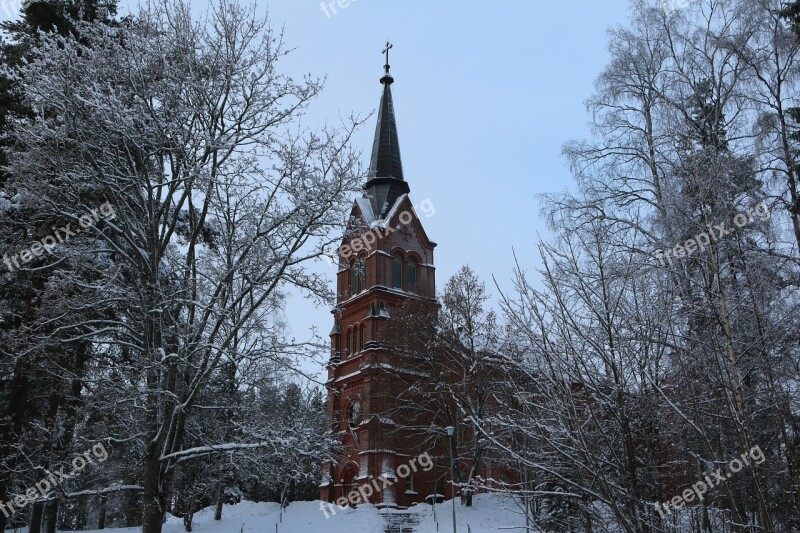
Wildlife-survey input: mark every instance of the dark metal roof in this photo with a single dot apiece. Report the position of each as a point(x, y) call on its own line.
point(385, 183)
point(385, 162)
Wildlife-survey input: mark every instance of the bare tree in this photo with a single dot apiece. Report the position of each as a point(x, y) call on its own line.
point(454, 350)
point(191, 134)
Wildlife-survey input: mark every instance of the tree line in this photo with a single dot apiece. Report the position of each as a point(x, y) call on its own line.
point(614, 380)
point(159, 333)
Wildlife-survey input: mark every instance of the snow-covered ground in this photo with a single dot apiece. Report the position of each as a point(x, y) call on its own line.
point(489, 514)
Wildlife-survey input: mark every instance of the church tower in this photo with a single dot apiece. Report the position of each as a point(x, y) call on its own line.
point(386, 260)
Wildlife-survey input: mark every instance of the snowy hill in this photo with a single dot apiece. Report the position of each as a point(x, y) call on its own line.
point(489, 514)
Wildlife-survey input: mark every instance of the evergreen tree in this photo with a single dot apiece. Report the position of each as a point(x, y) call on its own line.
point(19, 35)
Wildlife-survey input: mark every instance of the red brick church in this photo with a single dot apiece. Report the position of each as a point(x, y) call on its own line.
point(386, 259)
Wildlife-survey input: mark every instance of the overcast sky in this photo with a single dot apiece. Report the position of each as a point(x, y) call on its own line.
point(486, 93)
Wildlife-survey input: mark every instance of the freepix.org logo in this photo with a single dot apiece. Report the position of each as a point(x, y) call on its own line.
point(59, 236)
point(44, 486)
point(367, 240)
point(714, 234)
point(363, 492)
point(699, 489)
point(670, 6)
point(330, 7)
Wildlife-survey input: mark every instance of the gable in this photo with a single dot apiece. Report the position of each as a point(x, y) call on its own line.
point(362, 220)
point(398, 219)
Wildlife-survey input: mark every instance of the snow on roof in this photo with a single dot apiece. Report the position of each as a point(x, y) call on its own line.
point(385, 221)
point(387, 366)
point(377, 450)
point(394, 208)
point(366, 209)
point(357, 372)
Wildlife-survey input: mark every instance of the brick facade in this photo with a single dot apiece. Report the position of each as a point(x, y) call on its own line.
point(371, 283)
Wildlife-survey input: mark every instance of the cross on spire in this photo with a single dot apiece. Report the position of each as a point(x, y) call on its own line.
point(389, 46)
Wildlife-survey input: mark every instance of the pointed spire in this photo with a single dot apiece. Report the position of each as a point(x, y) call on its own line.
point(385, 183)
point(385, 162)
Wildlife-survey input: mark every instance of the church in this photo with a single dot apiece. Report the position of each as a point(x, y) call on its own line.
point(385, 261)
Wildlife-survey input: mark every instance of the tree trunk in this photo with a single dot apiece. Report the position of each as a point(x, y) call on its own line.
point(736, 383)
point(187, 520)
point(35, 524)
point(220, 496)
point(50, 516)
point(81, 512)
point(12, 422)
point(132, 506)
point(791, 173)
point(587, 516)
point(101, 518)
point(151, 511)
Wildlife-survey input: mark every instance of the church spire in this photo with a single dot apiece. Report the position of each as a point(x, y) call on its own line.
point(385, 182)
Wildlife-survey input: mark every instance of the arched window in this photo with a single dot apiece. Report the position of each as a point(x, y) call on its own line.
point(410, 482)
point(411, 275)
point(356, 339)
point(349, 342)
point(361, 267)
point(397, 278)
point(353, 279)
point(363, 337)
